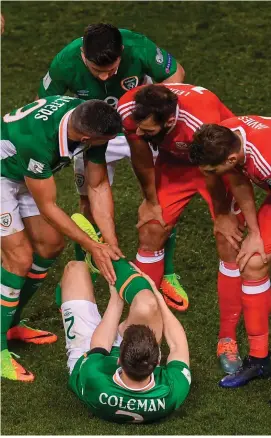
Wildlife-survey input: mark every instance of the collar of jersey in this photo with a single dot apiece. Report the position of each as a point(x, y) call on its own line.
point(63, 135)
point(244, 138)
point(117, 379)
point(175, 121)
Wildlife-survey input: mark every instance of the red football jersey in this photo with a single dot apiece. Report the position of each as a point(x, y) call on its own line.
point(256, 134)
point(196, 105)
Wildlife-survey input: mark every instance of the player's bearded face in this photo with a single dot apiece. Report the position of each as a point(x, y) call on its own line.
point(158, 138)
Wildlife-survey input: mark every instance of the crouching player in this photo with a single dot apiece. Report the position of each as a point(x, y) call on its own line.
point(241, 147)
point(114, 369)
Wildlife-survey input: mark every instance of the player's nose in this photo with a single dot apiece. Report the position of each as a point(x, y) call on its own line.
point(103, 76)
point(139, 132)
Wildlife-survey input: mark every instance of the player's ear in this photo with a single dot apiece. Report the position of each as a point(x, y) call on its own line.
point(232, 159)
point(170, 122)
point(84, 139)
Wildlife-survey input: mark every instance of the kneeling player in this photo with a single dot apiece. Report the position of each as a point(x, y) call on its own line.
point(241, 148)
point(119, 379)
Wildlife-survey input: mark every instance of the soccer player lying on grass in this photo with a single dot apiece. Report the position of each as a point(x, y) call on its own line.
point(36, 141)
point(241, 147)
point(115, 369)
point(104, 64)
point(167, 116)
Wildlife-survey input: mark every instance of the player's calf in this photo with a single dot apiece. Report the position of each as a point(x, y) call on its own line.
point(229, 285)
point(255, 298)
point(150, 255)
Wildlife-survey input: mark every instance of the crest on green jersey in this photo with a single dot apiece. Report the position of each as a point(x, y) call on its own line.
point(79, 180)
point(6, 220)
point(129, 83)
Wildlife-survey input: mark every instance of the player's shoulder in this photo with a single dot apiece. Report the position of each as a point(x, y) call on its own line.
point(71, 51)
point(132, 39)
point(126, 103)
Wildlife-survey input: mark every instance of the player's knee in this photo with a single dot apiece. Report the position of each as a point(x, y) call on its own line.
point(52, 247)
point(255, 269)
point(152, 237)
point(74, 267)
point(19, 260)
point(145, 307)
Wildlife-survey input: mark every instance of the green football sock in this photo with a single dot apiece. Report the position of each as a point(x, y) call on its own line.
point(35, 277)
point(169, 253)
point(11, 285)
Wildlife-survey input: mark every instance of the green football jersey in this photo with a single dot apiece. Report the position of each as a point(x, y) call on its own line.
point(34, 140)
point(140, 57)
point(96, 380)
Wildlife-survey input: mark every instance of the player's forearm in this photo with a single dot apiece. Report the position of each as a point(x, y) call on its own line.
point(172, 329)
point(102, 209)
point(217, 190)
point(243, 194)
point(146, 177)
point(63, 223)
point(105, 334)
point(177, 77)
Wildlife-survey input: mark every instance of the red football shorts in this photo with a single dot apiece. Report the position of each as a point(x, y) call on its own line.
point(176, 184)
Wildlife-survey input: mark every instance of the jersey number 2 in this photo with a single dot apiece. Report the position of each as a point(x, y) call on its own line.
point(136, 417)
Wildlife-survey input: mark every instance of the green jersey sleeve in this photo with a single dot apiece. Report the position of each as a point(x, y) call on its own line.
point(96, 154)
point(34, 165)
point(158, 63)
point(54, 82)
point(178, 373)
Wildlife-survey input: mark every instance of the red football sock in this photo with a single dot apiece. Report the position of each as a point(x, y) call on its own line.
point(152, 263)
point(256, 300)
point(229, 286)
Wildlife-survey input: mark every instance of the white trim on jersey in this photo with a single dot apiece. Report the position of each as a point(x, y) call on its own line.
point(121, 107)
point(266, 168)
point(63, 135)
point(183, 119)
point(199, 122)
point(244, 138)
point(257, 162)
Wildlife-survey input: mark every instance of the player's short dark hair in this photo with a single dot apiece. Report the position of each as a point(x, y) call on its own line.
point(102, 43)
point(139, 352)
point(212, 144)
point(96, 116)
point(157, 101)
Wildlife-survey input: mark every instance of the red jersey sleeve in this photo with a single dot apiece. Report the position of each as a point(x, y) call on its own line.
point(125, 108)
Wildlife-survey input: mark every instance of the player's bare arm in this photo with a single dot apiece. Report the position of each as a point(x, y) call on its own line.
point(244, 195)
point(172, 329)
point(101, 203)
point(225, 222)
point(142, 161)
point(106, 332)
point(44, 193)
point(177, 77)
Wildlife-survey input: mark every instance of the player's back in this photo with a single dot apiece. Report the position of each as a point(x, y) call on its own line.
point(256, 134)
point(96, 380)
point(35, 128)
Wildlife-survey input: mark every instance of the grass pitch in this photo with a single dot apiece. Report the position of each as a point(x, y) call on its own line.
point(224, 46)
